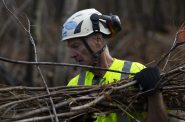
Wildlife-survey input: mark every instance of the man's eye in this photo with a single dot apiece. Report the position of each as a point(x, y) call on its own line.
point(75, 46)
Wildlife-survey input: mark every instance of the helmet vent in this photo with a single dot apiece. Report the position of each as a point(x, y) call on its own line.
point(78, 28)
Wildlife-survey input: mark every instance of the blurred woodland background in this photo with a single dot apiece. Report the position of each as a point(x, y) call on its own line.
point(149, 28)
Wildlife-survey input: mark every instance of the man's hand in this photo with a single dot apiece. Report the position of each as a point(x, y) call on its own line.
point(147, 80)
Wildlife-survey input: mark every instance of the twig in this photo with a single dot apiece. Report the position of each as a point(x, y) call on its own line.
point(60, 64)
point(62, 115)
point(173, 48)
point(127, 113)
point(15, 16)
point(175, 116)
point(7, 110)
point(23, 88)
point(88, 101)
point(51, 94)
point(125, 86)
point(174, 43)
point(94, 102)
point(44, 109)
point(35, 53)
point(98, 99)
point(11, 18)
point(40, 72)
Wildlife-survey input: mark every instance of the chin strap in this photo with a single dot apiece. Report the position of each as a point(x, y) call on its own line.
point(95, 55)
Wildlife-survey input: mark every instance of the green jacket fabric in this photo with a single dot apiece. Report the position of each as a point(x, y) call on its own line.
point(88, 78)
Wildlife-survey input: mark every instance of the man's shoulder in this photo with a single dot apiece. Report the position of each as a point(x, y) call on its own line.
point(135, 66)
point(133, 62)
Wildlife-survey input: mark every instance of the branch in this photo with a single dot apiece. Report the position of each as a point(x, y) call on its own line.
point(60, 64)
point(88, 99)
point(176, 43)
point(175, 116)
point(36, 59)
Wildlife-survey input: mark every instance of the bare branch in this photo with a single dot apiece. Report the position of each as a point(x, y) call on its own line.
point(40, 72)
point(60, 64)
point(36, 59)
point(15, 17)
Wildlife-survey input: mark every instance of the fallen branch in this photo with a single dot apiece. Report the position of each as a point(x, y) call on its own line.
point(59, 64)
point(73, 101)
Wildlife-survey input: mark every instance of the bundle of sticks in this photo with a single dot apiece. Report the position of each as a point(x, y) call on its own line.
point(32, 103)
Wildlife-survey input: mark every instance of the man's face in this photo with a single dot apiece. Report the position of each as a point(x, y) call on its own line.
point(79, 52)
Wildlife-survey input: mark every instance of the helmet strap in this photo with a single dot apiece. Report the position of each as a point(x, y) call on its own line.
point(95, 55)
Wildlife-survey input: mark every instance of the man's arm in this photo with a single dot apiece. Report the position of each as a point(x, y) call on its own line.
point(148, 80)
point(156, 109)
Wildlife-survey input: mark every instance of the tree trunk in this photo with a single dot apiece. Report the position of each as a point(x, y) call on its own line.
point(61, 72)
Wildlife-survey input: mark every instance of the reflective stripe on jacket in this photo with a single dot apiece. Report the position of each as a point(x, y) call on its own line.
point(87, 78)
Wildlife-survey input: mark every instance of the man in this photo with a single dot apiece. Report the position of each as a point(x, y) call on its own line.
point(86, 33)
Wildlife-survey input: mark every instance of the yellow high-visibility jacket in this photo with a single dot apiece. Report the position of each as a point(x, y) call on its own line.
point(87, 78)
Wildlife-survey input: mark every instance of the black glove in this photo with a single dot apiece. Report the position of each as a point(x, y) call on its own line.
point(147, 80)
point(83, 118)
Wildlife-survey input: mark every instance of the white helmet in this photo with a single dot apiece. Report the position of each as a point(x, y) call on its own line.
point(80, 25)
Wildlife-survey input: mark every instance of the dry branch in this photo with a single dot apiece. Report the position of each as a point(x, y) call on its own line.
point(29, 103)
point(28, 31)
